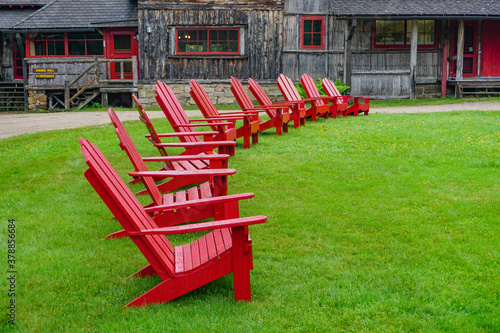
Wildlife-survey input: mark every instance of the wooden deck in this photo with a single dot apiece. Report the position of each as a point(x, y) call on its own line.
point(476, 86)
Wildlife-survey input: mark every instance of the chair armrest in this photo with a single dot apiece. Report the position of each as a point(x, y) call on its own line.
point(186, 157)
point(217, 118)
point(204, 226)
point(196, 144)
point(177, 134)
point(205, 172)
point(199, 202)
point(200, 125)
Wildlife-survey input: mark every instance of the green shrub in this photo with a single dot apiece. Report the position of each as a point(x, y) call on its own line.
point(340, 86)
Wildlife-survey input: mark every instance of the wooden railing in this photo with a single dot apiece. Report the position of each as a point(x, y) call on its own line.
point(95, 82)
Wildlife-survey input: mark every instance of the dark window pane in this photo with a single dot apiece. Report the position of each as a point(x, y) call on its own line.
point(76, 47)
point(307, 26)
point(317, 26)
point(307, 40)
point(55, 47)
point(76, 35)
point(202, 35)
point(316, 40)
point(233, 35)
point(55, 36)
point(222, 34)
point(214, 36)
point(95, 47)
point(40, 48)
point(182, 34)
point(214, 47)
point(94, 35)
point(233, 47)
point(181, 46)
point(122, 44)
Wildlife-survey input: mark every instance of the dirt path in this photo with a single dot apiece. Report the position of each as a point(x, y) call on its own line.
point(17, 124)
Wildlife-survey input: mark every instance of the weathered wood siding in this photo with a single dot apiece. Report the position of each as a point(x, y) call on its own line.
point(6, 58)
point(260, 22)
point(314, 62)
point(67, 70)
point(380, 73)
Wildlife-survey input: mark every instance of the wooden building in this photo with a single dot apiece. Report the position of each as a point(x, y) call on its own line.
point(12, 51)
point(209, 40)
point(77, 50)
point(74, 52)
point(395, 49)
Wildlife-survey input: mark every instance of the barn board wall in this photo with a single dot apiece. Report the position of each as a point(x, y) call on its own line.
point(263, 44)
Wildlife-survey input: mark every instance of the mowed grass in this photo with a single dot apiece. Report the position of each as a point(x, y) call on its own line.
point(383, 223)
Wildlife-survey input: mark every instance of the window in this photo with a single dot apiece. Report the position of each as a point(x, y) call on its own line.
point(397, 34)
point(312, 32)
point(208, 41)
point(65, 44)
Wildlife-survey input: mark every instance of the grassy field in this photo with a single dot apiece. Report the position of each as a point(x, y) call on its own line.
point(373, 103)
point(383, 223)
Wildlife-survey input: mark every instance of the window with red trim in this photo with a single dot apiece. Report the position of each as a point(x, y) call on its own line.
point(312, 32)
point(208, 41)
point(389, 34)
point(65, 44)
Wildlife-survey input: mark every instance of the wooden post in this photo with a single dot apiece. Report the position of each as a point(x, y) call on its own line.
point(135, 78)
point(66, 95)
point(413, 59)
point(351, 27)
point(96, 68)
point(460, 57)
point(25, 83)
point(460, 50)
point(104, 99)
point(444, 71)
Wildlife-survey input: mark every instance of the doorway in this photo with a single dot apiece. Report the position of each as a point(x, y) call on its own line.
point(471, 37)
point(122, 45)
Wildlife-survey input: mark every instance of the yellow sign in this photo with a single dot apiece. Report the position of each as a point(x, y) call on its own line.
point(45, 70)
point(45, 76)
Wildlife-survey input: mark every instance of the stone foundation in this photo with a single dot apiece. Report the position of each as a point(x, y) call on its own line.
point(37, 100)
point(427, 91)
point(219, 93)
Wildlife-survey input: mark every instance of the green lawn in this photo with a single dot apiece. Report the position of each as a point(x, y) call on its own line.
point(385, 223)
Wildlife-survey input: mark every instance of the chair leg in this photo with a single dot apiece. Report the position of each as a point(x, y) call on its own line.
point(255, 138)
point(241, 269)
point(146, 271)
point(117, 234)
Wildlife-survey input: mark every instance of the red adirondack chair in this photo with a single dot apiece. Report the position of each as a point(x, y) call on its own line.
point(298, 112)
point(357, 107)
point(337, 106)
point(184, 161)
point(183, 126)
point(176, 207)
point(289, 91)
point(250, 128)
point(226, 249)
point(278, 115)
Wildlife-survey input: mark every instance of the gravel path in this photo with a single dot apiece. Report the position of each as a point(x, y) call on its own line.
point(17, 124)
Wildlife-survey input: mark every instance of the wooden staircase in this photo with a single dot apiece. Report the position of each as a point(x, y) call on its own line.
point(11, 96)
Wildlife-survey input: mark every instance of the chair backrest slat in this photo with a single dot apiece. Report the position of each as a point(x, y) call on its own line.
point(241, 96)
point(173, 111)
point(310, 88)
point(127, 210)
point(154, 135)
point(204, 103)
point(129, 147)
point(330, 88)
point(261, 96)
point(287, 88)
